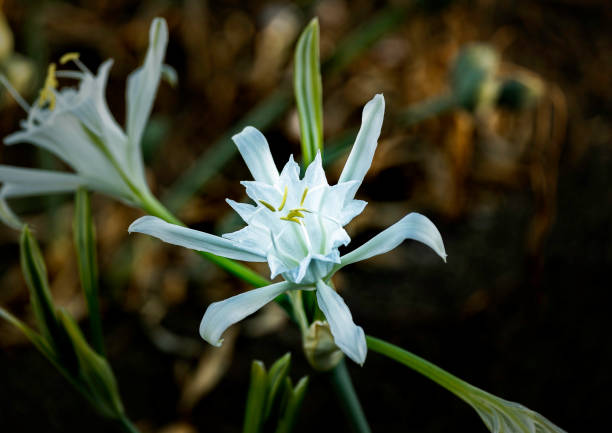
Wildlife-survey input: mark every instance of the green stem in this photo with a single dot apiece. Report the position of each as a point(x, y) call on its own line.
point(127, 425)
point(343, 387)
point(443, 378)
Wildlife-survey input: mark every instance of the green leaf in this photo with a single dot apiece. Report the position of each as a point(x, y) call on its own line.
point(308, 93)
point(276, 377)
point(256, 398)
point(499, 415)
point(94, 372)
point(292, 408)
point(85, 245)
point(35, 274)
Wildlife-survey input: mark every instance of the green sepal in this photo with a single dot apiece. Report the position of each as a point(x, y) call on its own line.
point(276, 378)
point(94, 372)
point(85, 245)
point(291, 409)
point(256, 398)
point(308, 91)
point(35, 274)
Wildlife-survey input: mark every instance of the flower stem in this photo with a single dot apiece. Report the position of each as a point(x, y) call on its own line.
point(443, 378)
point(341, 382)
point(127, 425)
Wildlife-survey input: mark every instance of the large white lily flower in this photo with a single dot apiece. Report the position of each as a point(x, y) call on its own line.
point(76, 125)
point(296, 225)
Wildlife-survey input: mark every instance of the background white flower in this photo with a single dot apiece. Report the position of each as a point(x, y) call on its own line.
point(296, 225)
point(76, 125)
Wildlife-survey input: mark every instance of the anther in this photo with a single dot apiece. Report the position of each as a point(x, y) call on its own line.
point(69, 57)
point(47, 93)
point(304, 196)
point(268, 205)
point(282, 205)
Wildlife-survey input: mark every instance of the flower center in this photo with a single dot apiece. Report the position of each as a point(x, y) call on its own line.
point(294, 215)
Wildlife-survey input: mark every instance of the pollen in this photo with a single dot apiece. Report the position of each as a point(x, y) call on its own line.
point(268, 205)
point(47, 93)
point(282, 205)
point(69, 57)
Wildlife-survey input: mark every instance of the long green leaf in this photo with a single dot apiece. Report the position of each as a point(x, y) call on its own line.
point(85, 245)
point(256, 398)
point(276, 377)
point(292, 408)
point(35, 274)
point(499, 415)
point(308, 93)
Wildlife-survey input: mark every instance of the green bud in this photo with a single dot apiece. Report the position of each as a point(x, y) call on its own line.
point(94, 372)
point(473, 77)
point(319, 347)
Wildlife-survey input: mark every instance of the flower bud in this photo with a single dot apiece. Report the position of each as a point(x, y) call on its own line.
point(6, 38)
point(320, 348)
point(473, 77)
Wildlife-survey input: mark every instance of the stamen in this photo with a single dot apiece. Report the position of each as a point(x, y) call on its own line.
point(14, 93)
point(282, 205)
point(69, 57)
point(304, 196)
point(47, 93)
point(294, 220)
point(294, 213)
point(268, 205)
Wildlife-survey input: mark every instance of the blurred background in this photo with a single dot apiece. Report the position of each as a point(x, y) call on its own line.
point(517, 182)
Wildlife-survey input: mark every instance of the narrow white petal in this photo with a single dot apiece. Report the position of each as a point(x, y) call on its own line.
point(255, 151)
point(141, 90)
point(360, 159)
point(38, 180)
point(315, 175)
point(245, 210)
point(221, 315)
point(412, 226)
point(194, 239)
point(349, 337)
point(7, 216)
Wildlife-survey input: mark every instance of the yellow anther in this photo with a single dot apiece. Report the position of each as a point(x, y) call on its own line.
point(69, 57)
point(268, 205)
point(282, 205)
point(294, 213)
point(304, 196)
point(47, 93)
point(294, 220)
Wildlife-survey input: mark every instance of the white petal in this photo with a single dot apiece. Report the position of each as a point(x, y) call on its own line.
point(245, 210)
point(32, 179)
point(262, 191)
point(349, 337)
point(194, 239)
point(141, 90)
point(360, 159)
point(221, 315)
point(290, 173)
point(315, 175)
point(255, 151)
point(412, 226)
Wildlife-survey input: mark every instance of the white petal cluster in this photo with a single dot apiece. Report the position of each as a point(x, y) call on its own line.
point(296, 225)
point(76, 125)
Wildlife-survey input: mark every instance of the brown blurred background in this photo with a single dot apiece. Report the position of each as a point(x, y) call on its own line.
point(521, 197)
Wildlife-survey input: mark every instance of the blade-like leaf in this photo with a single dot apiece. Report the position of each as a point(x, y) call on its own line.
point(94, 372)
point(308, 93)
point(292, 409)
point(499, 415)
point(35, 274)
point(85, 245)
point(256, 398)
point(276, 377)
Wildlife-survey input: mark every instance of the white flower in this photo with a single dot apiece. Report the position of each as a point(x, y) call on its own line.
point(77, 126)
point(296, 225)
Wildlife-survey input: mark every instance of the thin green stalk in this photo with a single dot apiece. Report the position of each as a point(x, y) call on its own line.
point(343, 387)
point(127, 425)
point(420, 365)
